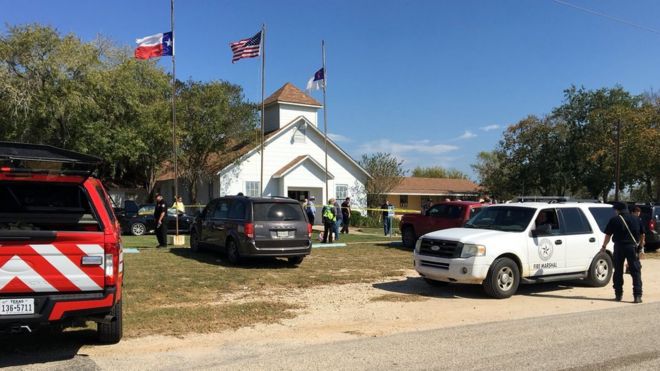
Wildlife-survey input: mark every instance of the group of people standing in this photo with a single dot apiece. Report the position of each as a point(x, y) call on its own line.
point(333, 216)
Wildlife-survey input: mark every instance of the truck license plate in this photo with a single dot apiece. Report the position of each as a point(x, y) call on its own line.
point(282, 233)
point(10, 307)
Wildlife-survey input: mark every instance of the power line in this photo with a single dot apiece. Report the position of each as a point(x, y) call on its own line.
point(616, 19)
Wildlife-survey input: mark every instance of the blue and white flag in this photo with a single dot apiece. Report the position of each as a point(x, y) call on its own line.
point(317, 81)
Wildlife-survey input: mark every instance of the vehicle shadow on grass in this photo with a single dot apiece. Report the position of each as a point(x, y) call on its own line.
point(220, 259)
point(395, 245)
point(417, 286)
point(43, 346)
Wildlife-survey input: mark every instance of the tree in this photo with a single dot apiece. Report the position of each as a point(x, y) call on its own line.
point(386, 173)
point(437, 172)
point(212, 116)
point(492, 175)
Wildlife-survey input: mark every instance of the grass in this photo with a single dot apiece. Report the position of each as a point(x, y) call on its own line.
point(175, 291)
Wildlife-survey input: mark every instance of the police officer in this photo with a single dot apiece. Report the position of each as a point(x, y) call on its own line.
point(160, 217)
point(624, 230)
point(329, 219)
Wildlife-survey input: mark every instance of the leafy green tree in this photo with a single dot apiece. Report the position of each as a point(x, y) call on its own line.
point(493, 176)
point(386, 173)
point(438, 172)
point(212, 116)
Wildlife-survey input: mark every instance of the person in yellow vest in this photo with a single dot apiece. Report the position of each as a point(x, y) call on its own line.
point(178, 205)
point(329, 219)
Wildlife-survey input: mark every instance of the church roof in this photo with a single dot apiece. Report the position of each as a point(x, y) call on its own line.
point(434, 186)
point(290, 94)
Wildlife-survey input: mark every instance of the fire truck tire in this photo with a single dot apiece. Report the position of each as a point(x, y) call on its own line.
point(111, 333)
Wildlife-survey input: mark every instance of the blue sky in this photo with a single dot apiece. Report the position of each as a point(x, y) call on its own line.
point(432, 82)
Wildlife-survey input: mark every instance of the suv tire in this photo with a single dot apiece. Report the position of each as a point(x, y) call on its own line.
point(138, 229)
point(408, 237)
point(503, 278)
point(233, 256)
point(600, 271)
point(111, 333)
point(194, 241)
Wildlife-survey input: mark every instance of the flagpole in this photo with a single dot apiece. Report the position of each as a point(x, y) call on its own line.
point(325, 119)
point(263, 79)
point(174, 141)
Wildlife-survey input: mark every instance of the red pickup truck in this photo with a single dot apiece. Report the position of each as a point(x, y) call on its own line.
point(443, 215)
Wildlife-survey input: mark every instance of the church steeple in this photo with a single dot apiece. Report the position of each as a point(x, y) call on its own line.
point(287, 103)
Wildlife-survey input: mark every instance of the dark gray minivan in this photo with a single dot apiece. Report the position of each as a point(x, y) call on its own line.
point(253, 227)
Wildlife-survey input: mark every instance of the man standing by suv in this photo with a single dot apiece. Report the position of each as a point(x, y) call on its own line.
point(624, 230)
point(160, 214)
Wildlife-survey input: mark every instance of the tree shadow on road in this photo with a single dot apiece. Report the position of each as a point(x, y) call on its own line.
point(43, 346)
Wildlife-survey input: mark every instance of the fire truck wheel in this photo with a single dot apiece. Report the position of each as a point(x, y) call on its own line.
point(111, 333)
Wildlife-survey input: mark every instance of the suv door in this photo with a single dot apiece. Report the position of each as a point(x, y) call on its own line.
point(546, 245)
point(206, 227)
point(581, 242)
point(217, 232)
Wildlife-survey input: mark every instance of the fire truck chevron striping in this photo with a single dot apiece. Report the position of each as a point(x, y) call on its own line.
point(51, 268)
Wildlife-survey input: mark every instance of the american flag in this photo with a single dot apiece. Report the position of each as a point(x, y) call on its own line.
point(246, 48)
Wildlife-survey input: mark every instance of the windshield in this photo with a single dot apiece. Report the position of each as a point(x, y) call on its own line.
point(510, 219)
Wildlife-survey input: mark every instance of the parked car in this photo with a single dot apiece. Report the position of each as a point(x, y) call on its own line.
point(443, 215)
point(508, 244)
point(61, 256)
point(128, 209)
point(253, 227)
point(143, 221)
point(650, 215)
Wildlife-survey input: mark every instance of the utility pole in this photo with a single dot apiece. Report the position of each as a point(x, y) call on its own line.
point(617, 187)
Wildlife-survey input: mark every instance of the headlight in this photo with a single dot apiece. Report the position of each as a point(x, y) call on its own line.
point(470, 250)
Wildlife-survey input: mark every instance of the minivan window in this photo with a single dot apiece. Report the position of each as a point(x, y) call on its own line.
point(221, 210)
point(602, 216)
point(237, 210)
point(264, 212)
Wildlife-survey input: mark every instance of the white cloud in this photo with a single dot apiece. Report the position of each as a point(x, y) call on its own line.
point(338, 138)
point(490, 127)
point(399, 149)
point(467, 135)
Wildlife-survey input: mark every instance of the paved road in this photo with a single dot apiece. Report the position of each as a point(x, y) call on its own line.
point(626, 337)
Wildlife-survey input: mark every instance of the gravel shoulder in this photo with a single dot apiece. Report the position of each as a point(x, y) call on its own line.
point(352, 311)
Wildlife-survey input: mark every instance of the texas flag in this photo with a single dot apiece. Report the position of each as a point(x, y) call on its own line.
point(157, 45)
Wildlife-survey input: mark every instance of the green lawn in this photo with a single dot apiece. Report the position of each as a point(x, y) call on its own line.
point(175, 291)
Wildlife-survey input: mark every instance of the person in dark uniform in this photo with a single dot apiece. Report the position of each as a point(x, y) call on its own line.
point(160, 217)
point(346, 214)
point(624, 230)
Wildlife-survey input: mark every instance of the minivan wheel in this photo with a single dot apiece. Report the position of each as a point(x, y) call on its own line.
point(194, 241)
point(138, 229)
point(600, 271)
point(232, 252)
point(503, 278)
point(408, 237)
point(295, 260)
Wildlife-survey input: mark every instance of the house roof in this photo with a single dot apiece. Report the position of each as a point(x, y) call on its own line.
point(297, 161)
point(434, 186)
point(291, 94)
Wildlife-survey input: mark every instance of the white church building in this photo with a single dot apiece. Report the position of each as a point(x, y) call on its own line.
point(294, 159)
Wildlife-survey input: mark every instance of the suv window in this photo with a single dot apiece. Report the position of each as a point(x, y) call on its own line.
point(237, 210)
point(221, 210)
point(278, 211)
point(602, 216)
point(446, 211)
point(574, 221)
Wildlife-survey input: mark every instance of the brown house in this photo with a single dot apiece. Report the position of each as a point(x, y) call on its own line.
point(412, 191)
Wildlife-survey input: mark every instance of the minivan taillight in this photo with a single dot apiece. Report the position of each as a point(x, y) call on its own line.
point(652, 225)
point(113, 263)
point(249, 230)
point(309, 230)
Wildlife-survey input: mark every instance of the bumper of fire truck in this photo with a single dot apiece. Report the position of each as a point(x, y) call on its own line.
point(62, 308)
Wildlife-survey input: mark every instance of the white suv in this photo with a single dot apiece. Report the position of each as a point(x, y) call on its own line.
point(507, 244)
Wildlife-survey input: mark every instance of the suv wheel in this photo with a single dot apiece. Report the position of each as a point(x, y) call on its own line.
point(232, 252)
point(408, 237)
point(138, 229)
point(503, 278)
point(111, 333)
point(600, 270)
point(295, 260)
